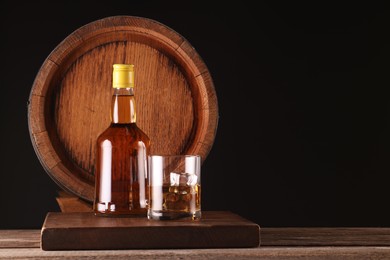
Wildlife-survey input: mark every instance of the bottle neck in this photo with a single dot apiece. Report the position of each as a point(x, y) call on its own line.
point(123, 106)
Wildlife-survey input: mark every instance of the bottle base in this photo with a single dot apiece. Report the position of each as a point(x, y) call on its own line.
point(121, 214)
point(109, 210)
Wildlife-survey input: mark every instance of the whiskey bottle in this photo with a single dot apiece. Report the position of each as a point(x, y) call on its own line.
point(122, 149)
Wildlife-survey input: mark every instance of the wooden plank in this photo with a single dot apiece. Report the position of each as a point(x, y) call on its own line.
point(83, 230)
point(312, 253)
point(325, 236)
point(71, 203)
point(20, 238)
point(270, 237)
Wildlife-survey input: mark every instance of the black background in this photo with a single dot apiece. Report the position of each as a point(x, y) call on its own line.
point(303, 134)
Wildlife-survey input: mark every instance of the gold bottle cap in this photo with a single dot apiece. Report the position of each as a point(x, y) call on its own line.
point(123, 76)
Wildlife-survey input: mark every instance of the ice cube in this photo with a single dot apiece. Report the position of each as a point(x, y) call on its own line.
point(175, 179)
point(192, 179)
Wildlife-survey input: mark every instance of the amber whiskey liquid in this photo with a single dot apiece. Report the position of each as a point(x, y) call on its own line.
point(121, 162)
point(178, 202)
point(183, 198)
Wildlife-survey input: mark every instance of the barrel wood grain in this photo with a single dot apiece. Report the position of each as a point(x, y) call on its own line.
point(70, 98)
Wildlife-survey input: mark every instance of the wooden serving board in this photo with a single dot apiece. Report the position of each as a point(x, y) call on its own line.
point(79, 231)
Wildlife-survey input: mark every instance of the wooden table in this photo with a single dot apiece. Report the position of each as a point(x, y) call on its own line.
point(276, 243)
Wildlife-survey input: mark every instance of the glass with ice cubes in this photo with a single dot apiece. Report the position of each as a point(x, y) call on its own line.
point(174, 187)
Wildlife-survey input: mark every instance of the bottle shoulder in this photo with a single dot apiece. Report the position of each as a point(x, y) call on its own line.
point(127, 131)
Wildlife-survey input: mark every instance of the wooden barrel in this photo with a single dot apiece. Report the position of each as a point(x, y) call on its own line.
point(69, 104)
